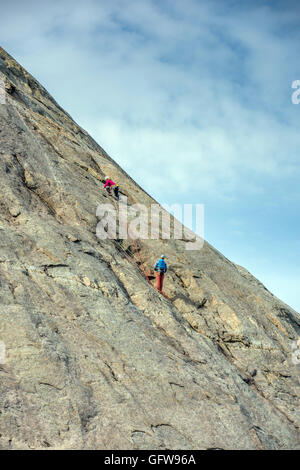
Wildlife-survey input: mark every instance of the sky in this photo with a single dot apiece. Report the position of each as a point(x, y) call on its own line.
point(193, 99)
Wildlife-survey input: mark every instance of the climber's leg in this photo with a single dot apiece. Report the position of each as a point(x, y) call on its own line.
point(116, 192)
point(160, 281)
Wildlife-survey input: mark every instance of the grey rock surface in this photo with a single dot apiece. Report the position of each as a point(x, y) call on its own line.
point(96, 358)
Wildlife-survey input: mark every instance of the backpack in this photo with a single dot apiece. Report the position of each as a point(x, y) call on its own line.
point(161, 265)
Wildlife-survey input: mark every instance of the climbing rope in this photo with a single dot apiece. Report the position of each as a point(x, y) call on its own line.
point(138, 254)
point(141, 265)
point(135, 246)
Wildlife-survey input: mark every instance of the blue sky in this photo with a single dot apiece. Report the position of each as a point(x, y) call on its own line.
point(193, 99)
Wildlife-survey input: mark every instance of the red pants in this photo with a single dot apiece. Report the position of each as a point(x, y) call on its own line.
point(160, 281)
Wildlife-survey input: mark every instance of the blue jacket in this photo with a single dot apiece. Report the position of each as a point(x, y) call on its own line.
point(161, 265)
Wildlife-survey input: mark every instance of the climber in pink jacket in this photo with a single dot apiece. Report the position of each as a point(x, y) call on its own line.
point(109, 184)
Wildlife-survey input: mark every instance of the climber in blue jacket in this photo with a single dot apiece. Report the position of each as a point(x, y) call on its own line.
point(161, 268)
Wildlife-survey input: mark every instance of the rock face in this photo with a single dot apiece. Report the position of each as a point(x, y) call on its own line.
point(95, 356)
